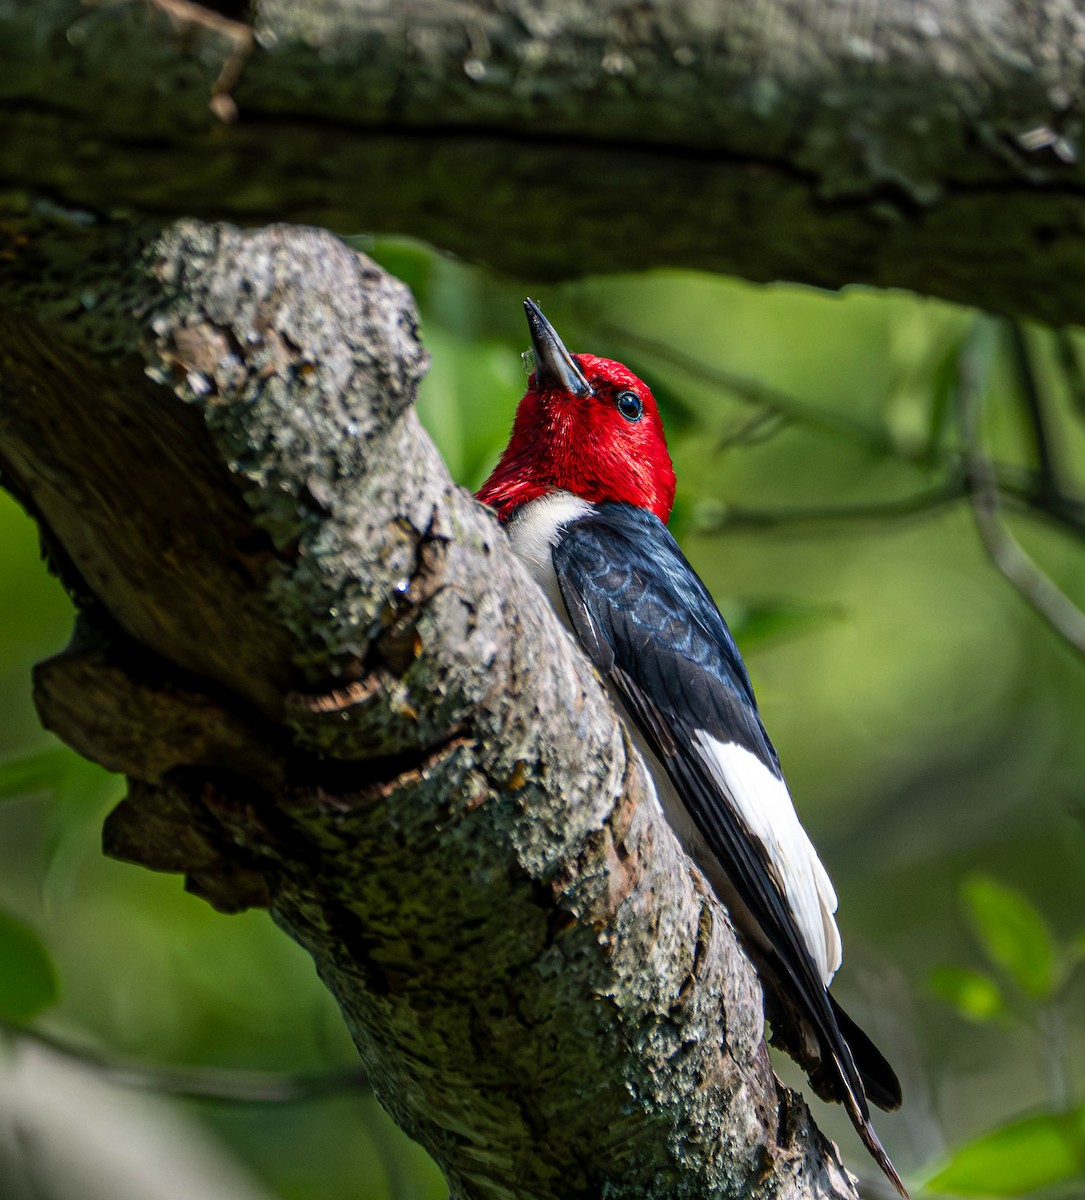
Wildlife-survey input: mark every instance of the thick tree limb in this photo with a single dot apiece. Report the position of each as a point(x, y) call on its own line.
point(930, 145)
point(336, 693)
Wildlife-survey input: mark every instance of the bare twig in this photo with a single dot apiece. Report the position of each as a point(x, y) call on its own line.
point(916, 505)
point(198, 1083)
point(761, 426)
point(1072, 371)
point(1008, 555)
point(1034, 409)
point(189, 17)
point(1066, 513)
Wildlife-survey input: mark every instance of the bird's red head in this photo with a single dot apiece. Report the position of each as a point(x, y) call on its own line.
point(586, 425)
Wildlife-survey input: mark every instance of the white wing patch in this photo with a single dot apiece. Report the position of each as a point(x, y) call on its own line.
point(764, 804)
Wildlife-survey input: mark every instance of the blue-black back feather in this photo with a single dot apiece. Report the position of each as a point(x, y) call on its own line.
point(642, 608)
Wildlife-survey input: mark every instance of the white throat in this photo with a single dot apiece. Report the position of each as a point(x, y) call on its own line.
point(534, 531)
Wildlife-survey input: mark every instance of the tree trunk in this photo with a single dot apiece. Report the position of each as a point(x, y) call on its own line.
point(929, 145)
point(336, 694)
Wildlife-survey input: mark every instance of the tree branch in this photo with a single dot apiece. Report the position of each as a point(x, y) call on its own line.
point(1033, 404)
point(1073, 376)
point(336, 693)
point(195, 1083)
point(930, 146)
point(1007, 554)
point(835, 517)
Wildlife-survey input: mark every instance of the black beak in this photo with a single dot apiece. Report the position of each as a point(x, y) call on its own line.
point(555, 367)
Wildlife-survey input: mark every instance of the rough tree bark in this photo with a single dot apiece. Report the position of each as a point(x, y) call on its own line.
point(336, 694)
point(930, 145)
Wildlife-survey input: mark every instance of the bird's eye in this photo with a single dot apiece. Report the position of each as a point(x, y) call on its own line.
point(629, 405)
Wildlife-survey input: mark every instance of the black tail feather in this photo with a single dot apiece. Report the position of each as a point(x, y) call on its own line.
point(849, 1069)
point(880, 1085)
point(870, 1139)
point(879, 1079)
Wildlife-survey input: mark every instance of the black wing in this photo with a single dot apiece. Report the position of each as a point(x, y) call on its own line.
point(651, 628)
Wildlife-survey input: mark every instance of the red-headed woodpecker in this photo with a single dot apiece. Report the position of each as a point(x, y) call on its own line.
point(584, 489)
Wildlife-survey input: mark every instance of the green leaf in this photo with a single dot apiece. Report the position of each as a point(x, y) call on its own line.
point(1013, 934)
point(974, 995)
point(31, 773)
point(1017, 1158)
point(28, 981)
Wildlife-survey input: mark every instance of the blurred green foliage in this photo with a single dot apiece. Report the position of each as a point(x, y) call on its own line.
point(1019, 1158)
point(974, 994)
point(1013, 934)
point(929, 723)
point(1025, 995)
point(28, 981)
